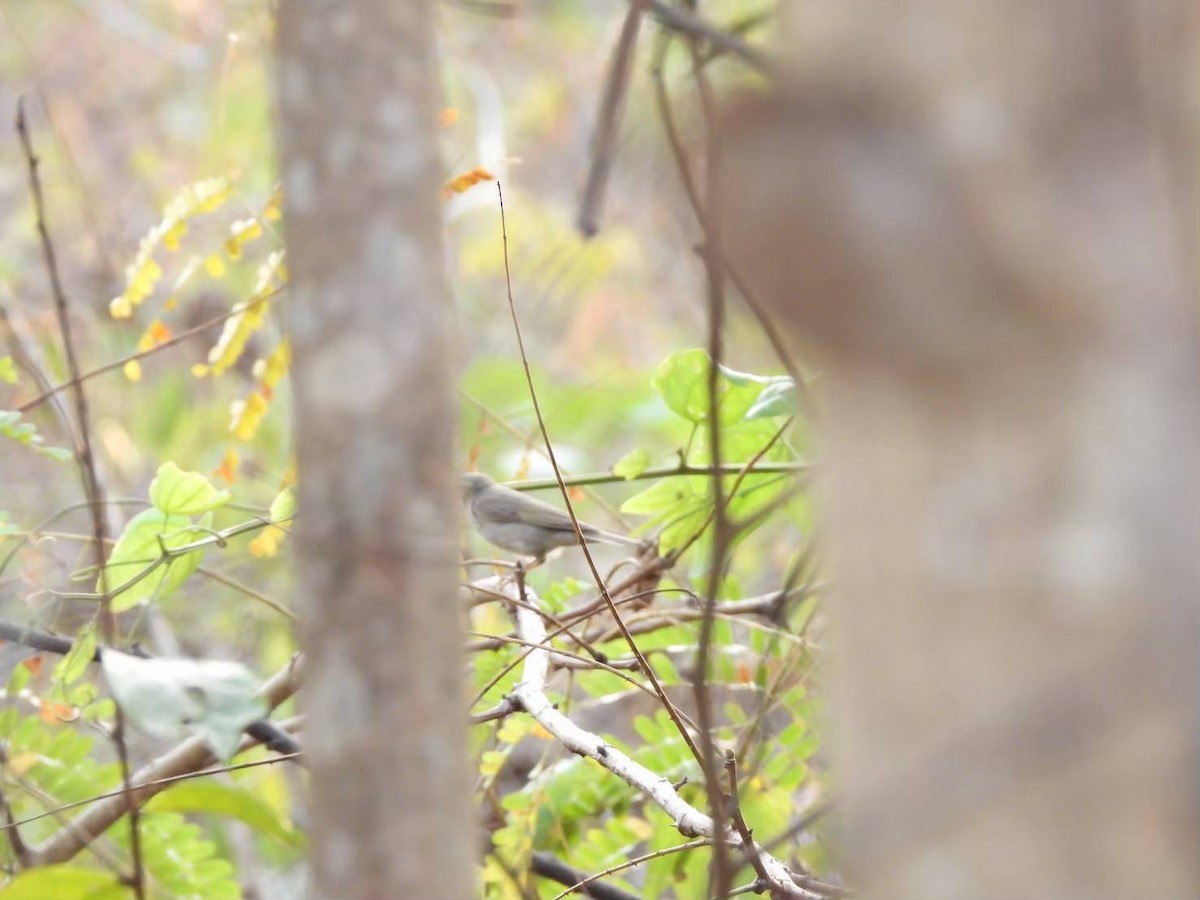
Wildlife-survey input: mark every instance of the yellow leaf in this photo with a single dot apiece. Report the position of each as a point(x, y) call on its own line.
point(241, 233)
point(248, 317)
point(267, 543)
point(22, 762)
point(215, 266)
point(120, 307)
point(199, 370)
point(273, 210)
point(132, 370)
point(172, 235)
point(275, 366)
point(245, 415)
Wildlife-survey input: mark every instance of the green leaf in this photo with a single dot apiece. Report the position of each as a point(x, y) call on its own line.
point(660, 498)
point(632, 464)
point(181, 493)
point(778, 398)
point(64, 881)
point(283, 507)
point(167, 698)
point(682, 381)
point(180, 860)
point(228, 801)
point(72, 666)
point(26, 433)
point(8, 370)
point(679, 504)
point(18, 680)
point(556, 594)
point(138, 548)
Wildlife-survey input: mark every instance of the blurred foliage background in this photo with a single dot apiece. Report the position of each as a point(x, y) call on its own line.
point(134, 101)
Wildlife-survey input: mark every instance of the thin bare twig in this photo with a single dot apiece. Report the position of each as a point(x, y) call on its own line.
point(567, 654)
point(686, 22)
point(159, 783)
point(684, 169)
point(670, 708)
point(25, 353)
point(739, 821)
point(608, 122)
point(588, 884)
point(142, 354)
point(87, 468)
point(676, 471)
point(722, 539)
point(19, 848)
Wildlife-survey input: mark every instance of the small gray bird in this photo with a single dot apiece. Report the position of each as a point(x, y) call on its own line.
point(515, 522)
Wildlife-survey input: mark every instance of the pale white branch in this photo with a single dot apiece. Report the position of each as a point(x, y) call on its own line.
point(530, 695)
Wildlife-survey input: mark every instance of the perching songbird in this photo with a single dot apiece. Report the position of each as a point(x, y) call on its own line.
point(515, 522)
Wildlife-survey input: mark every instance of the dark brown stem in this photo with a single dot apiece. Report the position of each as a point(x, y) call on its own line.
point(739, 821)
point(87, 468)
point(723, 870)
point(608, 122)
point(688, 23)
point(548, 866)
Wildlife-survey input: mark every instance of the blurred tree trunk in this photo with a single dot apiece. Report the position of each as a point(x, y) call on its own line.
point(984, 217)
point(369, 318)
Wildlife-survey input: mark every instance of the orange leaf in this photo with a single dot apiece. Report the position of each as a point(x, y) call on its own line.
point(466, 181)
point(53, 712)
point(159, 331)
point(227, 470)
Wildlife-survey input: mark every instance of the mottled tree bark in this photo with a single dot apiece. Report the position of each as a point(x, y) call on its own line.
point(369, 317)
point(983, 215)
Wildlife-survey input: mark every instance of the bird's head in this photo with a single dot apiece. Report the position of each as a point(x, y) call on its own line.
point(475, 483)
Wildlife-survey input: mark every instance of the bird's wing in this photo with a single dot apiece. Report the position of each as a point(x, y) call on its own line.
point(501, 504)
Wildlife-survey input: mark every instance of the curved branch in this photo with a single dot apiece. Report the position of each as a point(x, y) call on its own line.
point(189, 756)
point(530, 695)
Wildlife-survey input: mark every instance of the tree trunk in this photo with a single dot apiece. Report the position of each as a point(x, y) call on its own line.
point(369, 317)
point(983, 216)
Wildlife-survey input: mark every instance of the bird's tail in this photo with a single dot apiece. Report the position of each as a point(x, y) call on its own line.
point(592, 533)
